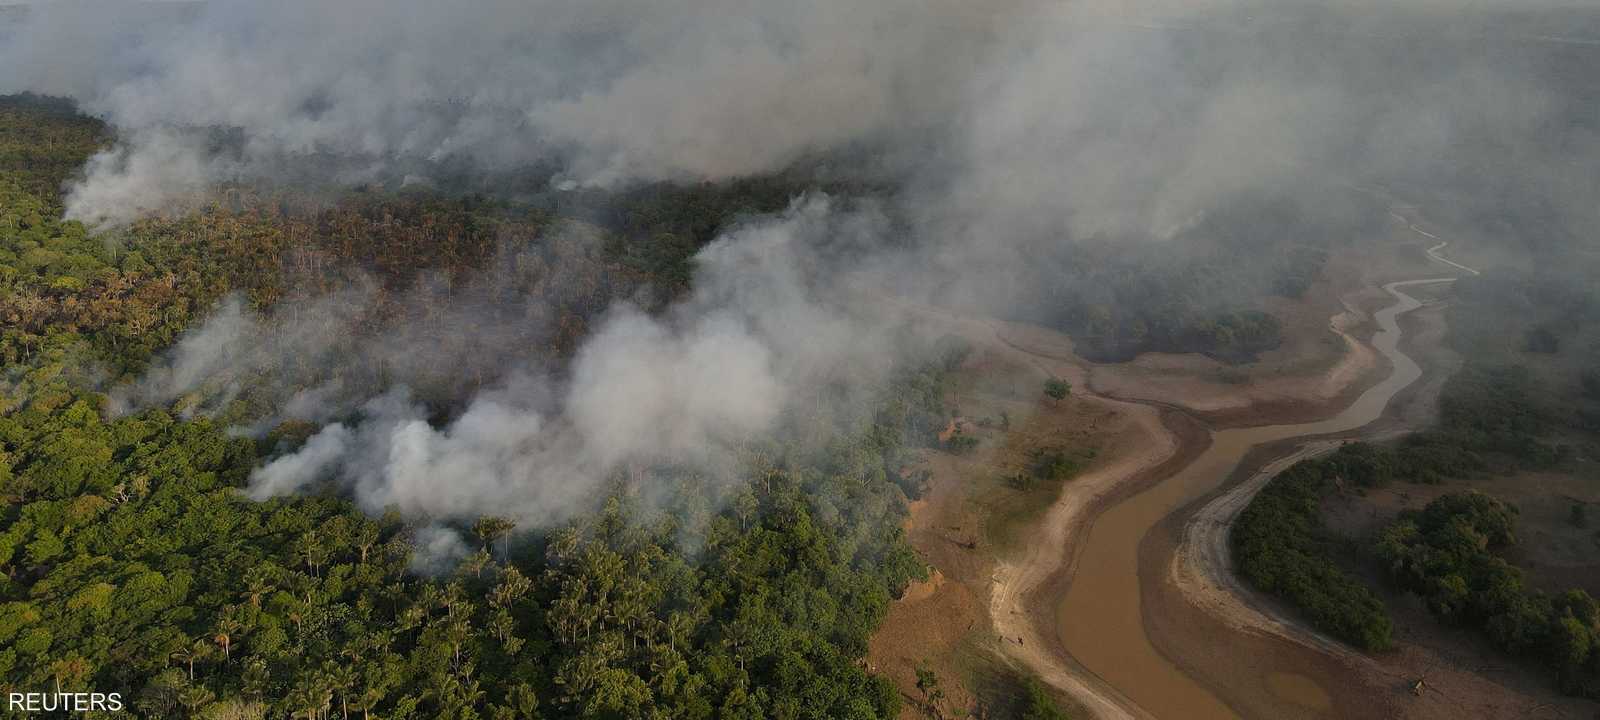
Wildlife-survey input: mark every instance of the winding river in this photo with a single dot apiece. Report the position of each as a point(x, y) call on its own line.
point(1099, 618)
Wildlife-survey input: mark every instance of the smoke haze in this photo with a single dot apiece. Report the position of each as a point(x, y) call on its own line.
point(687, 387)
point(1014, 132)
point(618, 90)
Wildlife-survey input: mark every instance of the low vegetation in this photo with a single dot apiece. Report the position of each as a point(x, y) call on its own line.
point(1038, 703)
point(1048, 466)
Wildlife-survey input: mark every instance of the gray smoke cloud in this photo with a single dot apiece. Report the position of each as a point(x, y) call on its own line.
point(1087, 118)
point(216, 361)
point(766, 321)
point(1014, 130)
point(682, 89)
point(1139, 124)
point(436, 549)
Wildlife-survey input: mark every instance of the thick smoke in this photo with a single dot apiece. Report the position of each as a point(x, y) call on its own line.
point(1095, 127)
point(765, 322)
point(436, 549)
point(682, 89)
point(1013, 129)
point(1052, 117)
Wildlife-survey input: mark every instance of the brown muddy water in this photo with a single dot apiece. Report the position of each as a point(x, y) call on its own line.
point(1099, 617)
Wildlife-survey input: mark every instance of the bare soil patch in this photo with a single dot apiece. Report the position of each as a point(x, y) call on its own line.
point(969, 516)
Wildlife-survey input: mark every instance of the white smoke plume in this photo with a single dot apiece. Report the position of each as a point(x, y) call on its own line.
point(436, 549)
point(218, 359)
point(687, 388)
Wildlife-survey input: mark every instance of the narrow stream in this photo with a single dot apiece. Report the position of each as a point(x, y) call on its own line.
point(1100, 616)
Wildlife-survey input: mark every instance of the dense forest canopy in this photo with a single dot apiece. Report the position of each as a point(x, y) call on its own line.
point(132, 561)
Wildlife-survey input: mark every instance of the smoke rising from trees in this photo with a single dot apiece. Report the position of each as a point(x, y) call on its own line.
point(1013, 130)
point(765, 322)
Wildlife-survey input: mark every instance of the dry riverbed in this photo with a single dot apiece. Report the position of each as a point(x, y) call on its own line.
point(1164, 616)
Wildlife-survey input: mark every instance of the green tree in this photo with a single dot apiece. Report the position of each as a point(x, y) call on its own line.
point(1038, 703)
point(491, 529)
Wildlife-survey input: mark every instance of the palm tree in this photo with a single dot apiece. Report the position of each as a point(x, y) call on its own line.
point(257, 583)
point(254, 678)
point(457, 633)
point(375, 683)
point(679, 626)
point(302, 585)
point(227, 627)
point(476, 562)
point(737, 637)
point(223, 641)
point(313, 550)
point(192, 697)
point(453, 595)
point(303, 698)
point(490, 529)
point(190, 653)
point(396, 592)
point(296, 612)
point(342, 678)
point(428, 598)
point(365, 538)
point(513, 585)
